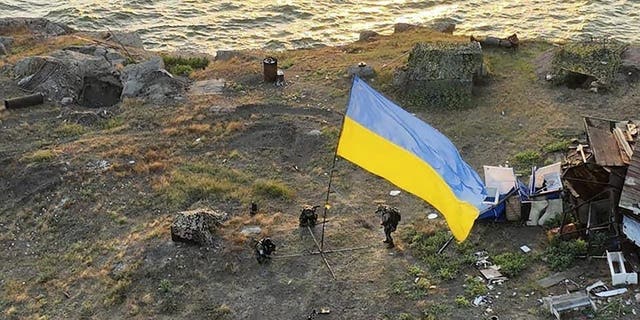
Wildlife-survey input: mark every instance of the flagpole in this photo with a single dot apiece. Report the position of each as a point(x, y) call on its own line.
point(333, 166)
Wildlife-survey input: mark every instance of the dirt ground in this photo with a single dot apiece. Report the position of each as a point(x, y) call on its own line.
point(85, 207)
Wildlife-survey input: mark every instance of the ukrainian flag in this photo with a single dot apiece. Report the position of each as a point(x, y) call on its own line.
point(386, 140)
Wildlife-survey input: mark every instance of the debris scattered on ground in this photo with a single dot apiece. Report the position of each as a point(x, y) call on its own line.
point(568, 302)
point(394, 193)
point(619, 274)
point(525, 249)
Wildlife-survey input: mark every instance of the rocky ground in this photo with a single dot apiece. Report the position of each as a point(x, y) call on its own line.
point(88, 194)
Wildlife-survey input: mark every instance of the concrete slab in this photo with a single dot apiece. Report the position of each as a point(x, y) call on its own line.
point(207, 87)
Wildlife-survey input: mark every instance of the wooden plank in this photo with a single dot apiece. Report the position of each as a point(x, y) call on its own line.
point(602, 142)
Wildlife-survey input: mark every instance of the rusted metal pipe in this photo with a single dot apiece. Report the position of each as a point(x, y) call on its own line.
point(23, 102)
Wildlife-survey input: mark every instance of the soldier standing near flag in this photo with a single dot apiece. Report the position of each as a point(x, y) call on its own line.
point(390, 217)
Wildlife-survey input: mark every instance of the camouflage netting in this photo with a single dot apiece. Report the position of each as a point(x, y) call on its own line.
point(599, 60)
point(441, 74)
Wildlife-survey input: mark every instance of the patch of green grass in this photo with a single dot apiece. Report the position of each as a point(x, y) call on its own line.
point(70, 130)
point(437, 311)
point(527, 159)
point(462, 302)
point(405, 316)
point(165, 286)
point(117, 294)
point(512, 264)
point(410, 290)
point(43, 155)
point(446, 265)
point(112, 123)
point(181, 70)
point(273, 189)
point(220, 312)
point(557, 146)
point(201, 181)
point(561, 255)
point(474, 286)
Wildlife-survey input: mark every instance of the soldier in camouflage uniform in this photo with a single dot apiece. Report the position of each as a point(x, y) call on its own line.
point(390, 217)
point(264, 248)
point(308, 216)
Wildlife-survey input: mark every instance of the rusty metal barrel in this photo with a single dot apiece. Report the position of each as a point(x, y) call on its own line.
point(270, 68)
point(23, 102)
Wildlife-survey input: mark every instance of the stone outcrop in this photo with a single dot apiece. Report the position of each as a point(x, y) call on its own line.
point(444, 25)
point(367, 35)
point(196, 226)
point(128, 39)
point(403, 27)
point(38, 26)
point(149, 80)
point(88, 80)
point(362, 70)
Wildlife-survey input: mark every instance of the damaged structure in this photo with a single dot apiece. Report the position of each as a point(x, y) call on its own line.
point(441, 74)
point(604, 198)
point(593, 65)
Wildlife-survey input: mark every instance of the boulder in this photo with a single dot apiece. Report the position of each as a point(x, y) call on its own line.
point(149, 80)
point(3, 50)
point(362, 70)
point(367, 35)
point(111, 55)
point(196, 226)
point(28, 66)
point(226, 55)
point(39, 26)
point(402, 27)
point(88, 79)
point(128, 39)
point(444, 25)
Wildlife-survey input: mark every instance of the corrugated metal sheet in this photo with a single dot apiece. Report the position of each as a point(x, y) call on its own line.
point(602, 142)
point(630, 197)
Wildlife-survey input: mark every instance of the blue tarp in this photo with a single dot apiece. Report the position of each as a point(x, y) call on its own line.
point(497, 212)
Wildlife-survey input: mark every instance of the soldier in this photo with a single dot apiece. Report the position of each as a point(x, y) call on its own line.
point(264, 248)
point(308, 216)
point(389, 217)
point(254, 209)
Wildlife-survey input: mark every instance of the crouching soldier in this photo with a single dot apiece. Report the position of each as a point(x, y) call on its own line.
point(264, 248)
point(308, 216)
point(390, 217)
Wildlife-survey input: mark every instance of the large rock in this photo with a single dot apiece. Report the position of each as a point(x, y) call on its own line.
point(128, 39)
point(111, 55)
point(362, 70)
point(196, 226)
point(3, 50)
point(39, 26)
point(367, 35)
point(149, 80)
point(403, 27)
point(88, 80)
point(444, 25)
